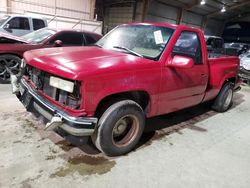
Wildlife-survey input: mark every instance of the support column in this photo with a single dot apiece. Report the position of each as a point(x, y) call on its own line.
point(179, 16)
point(144, 9)
point(204, 23)
point(134, 10)
point(8, 5)
point(92, 9)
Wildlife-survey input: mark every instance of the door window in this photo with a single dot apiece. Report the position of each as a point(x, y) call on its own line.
point(89, 39)
point(38, 24)
point(189, 45)
point(19, 23)
point(69, 38)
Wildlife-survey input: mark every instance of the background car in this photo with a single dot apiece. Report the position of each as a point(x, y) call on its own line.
point(215, 45)
point(12, 48)
point(21, 25)
point(244, 73)
point(236, 48)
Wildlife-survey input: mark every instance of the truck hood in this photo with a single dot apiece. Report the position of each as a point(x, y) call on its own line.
point(78, 62)
point(8, 38)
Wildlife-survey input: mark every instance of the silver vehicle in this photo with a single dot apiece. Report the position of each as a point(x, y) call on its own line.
point(21, 25)
point(244, 73)
point(215, 45)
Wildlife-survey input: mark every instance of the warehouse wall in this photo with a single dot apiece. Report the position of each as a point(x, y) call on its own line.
point(214, 27)
point(191, 19)
point(77, 14)
point(118, 15)
point(74, 9)
point(3, 7)
point(77, 9)
point(159, 12)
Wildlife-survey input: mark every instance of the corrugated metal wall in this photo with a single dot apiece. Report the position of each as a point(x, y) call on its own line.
point(77, 14)
point(214, 27)
point(80, 9)
point(119, 15)
point(158, 11)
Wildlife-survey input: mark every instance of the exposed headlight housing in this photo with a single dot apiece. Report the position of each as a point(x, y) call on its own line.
point(61, 84)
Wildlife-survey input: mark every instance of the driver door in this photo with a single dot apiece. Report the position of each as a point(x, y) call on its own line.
point(184, 87)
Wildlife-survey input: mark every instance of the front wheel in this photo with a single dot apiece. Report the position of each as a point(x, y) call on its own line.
point(119, 128)
point(224, 100)
point(8, 63)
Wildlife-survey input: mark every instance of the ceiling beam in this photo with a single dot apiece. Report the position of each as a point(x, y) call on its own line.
point(197, 2)
point(229, 8)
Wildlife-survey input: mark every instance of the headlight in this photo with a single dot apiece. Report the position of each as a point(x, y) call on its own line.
point(61, 84)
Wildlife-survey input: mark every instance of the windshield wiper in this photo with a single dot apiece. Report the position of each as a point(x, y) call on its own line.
point(128, 50)
point(98, 45)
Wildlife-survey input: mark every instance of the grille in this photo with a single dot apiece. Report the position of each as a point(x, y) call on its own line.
point(41, 81)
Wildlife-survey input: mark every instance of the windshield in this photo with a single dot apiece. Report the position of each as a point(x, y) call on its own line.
point(141, 40)
point(39, 35)
point(3, 19)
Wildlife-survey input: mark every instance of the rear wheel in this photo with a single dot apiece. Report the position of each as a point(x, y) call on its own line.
point(8, 63)
point(119, 128)
point(224, 100)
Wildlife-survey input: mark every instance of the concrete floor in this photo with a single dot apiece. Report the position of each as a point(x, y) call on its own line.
point(196, 148)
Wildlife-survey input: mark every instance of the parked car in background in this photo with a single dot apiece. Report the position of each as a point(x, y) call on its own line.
point(244, 73)
point(215, 45)
point(21, 25)
point(136, 71)
point(12, 48)
point(235, 48)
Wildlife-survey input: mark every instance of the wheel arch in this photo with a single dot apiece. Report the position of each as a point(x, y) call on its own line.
point(14, 54)
point(139, 96)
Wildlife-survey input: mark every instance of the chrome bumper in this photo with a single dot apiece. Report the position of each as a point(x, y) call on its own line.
point(77, 126)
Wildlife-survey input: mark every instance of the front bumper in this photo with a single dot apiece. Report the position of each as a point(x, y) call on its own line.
point(38, 105)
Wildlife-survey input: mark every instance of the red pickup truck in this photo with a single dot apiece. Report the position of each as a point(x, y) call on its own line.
point(136, 71)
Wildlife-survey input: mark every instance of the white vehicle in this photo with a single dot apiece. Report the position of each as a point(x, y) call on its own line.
point(21, 25)
point(245, 67)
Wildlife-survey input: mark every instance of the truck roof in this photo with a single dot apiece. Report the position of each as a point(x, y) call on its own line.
point(174, 26)
point(24, 16)
point(68, 29)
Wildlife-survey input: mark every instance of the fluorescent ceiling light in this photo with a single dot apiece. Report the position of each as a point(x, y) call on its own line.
point(203, 2)
point(223, 9)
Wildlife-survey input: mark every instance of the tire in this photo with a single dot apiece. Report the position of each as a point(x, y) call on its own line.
point(224, 100)
point(119, 128)
point(12, 62)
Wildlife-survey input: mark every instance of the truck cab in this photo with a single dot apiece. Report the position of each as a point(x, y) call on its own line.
point(21, 25)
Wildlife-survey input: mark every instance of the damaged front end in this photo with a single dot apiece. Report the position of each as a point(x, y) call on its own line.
point(57, 104)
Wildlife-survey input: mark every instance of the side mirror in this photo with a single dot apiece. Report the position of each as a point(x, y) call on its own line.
point(58, 43)
point(181, 62)
point(7, 26)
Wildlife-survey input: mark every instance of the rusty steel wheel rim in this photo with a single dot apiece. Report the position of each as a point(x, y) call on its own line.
point(228, 98)
point(125, 130)
point(12, 65)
